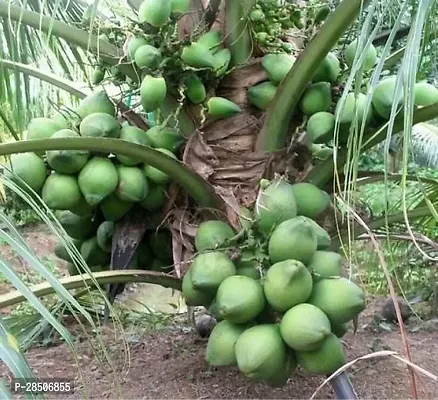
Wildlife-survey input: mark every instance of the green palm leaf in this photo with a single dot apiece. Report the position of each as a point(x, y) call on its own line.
point(4, 391)
point(12, 356)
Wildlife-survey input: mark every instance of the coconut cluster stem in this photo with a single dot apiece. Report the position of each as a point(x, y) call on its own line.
point(273, 134)
point(103, 278)
point(237, 30)
point(201, 191)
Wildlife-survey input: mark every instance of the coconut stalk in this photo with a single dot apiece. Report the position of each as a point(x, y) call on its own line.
point(281, 110)
point(195, 186)
point(237, 30)
point(86, 280)
point(53, 79)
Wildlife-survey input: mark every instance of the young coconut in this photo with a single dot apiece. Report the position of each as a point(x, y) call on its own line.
point(275, 204)
point(240, 299)
point(209, 270)
point(212, 234)
point(340, 299)
point(305, 327)
point(286, 284)
point(326, 359)
point(221, 343)
point(292, 240)
point(260, 351)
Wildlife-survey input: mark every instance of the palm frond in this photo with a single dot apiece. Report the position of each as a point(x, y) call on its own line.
point(13, 357)
point(21, 98)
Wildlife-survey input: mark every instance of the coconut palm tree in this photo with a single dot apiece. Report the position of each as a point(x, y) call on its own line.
point(224, 160)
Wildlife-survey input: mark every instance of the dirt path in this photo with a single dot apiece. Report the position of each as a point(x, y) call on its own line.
point(169, 364)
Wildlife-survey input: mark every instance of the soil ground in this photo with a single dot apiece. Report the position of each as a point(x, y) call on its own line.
point(169, 363)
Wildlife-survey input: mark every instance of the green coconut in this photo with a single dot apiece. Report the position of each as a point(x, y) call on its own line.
point(132, 186)
point(66, 161)
point(240, 299)
point(96, 102)
point(221, 343)
point(277, 65)
point(211, 39)
point(98, 179)
point(65, 119)
point(326, 359)
point(104, 235)
point(287, 283)
point(249, 271)
point(210, 269)
point(155, 198)
point(354, 109)
point(77, 227)
point(153, 91)
point(163, 137)
point(221, 60)
point(339, 298)
point(61, 251)
point(310, 200)
point(135, 135)
point(328, 70)
point(316, 98)
point(41, 128)
point(30, 168)
point(154, 12)
point(305, 327)
point(322, 237)
point(180, 6)
point(100, 125)
point(261, 95)
point(214, 311)
point(370, 55)
point(260, 351)
point(275, 204)
point(197, 55)
point(325, 264)
point(61, 192)
point(82, 208)
point(134, 44)
point(220, 107)
point(292, 240)
point(195, 89)
point(384, 96)
point(194, 297)
point(212, 234)
point(425, 94)
point(284, 371)
point(147, 56)
point(321, 127)
point(93, 254)
point(114, 208)
point(340, 330)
